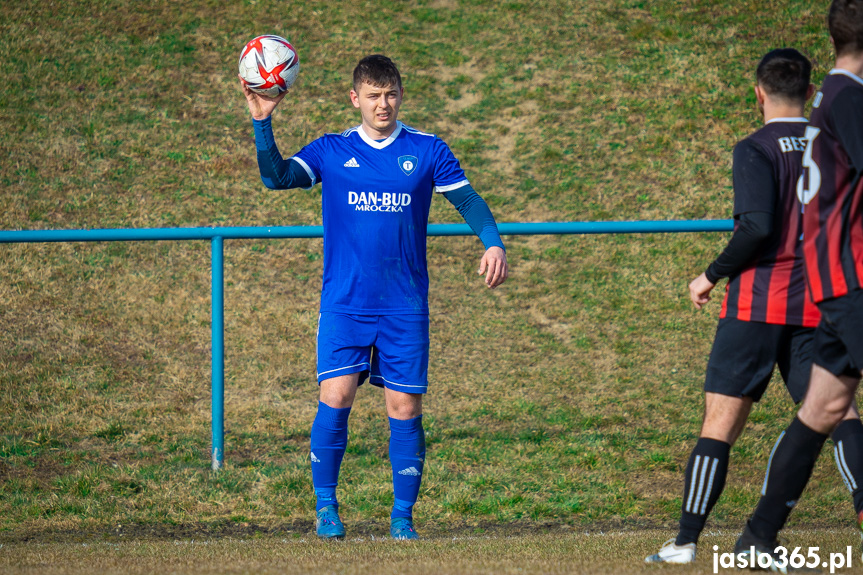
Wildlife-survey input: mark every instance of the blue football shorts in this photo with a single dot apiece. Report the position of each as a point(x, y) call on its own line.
point(392, 351)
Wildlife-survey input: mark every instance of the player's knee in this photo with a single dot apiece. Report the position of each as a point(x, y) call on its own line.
point(337, 399)
point(726, 432)
point(835, 412)
point(404, 411)
point(725, 417)
point(825, 417)
point(404, 405)
point(851, 412)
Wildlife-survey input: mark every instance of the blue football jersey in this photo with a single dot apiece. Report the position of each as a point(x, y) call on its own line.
point(375, 200)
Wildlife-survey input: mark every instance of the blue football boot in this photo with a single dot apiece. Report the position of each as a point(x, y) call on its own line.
point(403, 528)
point(328, 524)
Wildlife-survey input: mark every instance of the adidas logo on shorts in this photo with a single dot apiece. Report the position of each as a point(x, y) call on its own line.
point(315, 458)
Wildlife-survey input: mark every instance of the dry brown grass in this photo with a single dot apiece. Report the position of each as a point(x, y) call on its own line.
point(552, 552)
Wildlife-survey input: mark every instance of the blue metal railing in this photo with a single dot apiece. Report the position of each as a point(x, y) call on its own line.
point(218, 235)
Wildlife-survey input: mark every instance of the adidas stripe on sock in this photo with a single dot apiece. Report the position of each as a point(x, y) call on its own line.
point(788, 471)
point(407, 455)
point(705, 480)
point(848, 453)
point(328, 443)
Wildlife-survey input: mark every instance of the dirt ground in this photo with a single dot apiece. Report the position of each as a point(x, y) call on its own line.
point(474, 549)
point(298, 528)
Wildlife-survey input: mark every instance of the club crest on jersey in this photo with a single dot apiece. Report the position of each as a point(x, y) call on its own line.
point(408, 164)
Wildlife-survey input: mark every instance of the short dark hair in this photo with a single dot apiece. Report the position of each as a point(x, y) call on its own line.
point(784, 73)
point(845, 21)
point(377, 70)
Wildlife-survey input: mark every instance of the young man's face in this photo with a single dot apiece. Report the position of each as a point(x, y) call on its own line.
point(379, 107)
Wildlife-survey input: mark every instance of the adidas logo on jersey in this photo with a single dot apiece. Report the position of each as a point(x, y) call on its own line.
point(410, 471)
point(352, 163)
point(315, 458)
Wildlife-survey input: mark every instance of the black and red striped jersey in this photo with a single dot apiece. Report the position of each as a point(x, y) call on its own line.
point(832, 188)
point(772, 287)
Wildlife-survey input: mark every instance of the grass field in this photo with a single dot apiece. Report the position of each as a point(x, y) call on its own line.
point(544, 551)
point(568, 399)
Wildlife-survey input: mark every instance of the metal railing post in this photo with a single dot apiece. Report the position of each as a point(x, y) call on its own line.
point(218, 351)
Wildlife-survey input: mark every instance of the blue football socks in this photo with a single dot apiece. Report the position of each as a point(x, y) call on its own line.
point(329, 441)
point(407, 454)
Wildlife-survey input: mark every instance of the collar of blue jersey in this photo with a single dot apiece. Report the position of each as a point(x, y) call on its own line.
point(383, 143)
point(851, 75)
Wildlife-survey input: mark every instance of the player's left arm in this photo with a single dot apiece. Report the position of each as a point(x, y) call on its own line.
point(847, 116)
point(478, 216)
point(755, 196)
point(276, 172)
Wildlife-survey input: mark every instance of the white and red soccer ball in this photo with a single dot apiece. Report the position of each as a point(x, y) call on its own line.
point(269, 65)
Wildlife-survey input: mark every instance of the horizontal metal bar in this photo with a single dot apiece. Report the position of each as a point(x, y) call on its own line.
point(506, 229)
point(153, 234)
point(556, 228)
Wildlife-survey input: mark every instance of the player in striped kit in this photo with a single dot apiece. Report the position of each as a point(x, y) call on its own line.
point(378, 180)
point(831, 188)
point(767, 318)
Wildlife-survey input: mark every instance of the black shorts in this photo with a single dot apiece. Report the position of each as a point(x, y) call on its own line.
point(745, 352)
point(839, 337)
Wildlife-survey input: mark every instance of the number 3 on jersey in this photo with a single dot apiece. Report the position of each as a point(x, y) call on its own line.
point(810, 180)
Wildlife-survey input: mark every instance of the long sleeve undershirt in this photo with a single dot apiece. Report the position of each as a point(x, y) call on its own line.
point(475, 212)
point(753, 230)
point(276, 172)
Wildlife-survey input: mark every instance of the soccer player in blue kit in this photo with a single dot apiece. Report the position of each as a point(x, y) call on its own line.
point(378, 180)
